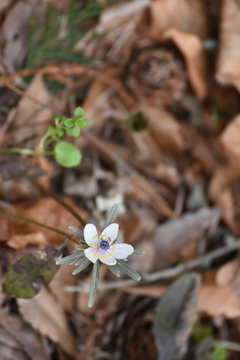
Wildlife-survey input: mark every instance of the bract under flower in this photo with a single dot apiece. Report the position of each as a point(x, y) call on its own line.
point(104, 247)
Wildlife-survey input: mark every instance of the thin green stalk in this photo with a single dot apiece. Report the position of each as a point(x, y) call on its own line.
point(22, 218)
point(20, 151)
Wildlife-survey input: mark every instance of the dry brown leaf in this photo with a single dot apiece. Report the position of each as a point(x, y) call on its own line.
point(4, 4)
point(18, 340)
point(13, 36)
point(223, 191)
point(119, 24)
point(191, 48)
point(46, 211)
point(212, 299)
point(230, 140)
point(165, 129)
point(178, 238)
point(32, 116)
point(184, 15)
point(45, 314)
point(228, 70)
point(227, 272)
point(218, 301)
point(64, 278)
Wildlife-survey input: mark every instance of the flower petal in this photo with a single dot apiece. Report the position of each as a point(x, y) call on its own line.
point(110, 232)
point(109, 260)
point(121, 251)
point(91, 254)
point(90, 234)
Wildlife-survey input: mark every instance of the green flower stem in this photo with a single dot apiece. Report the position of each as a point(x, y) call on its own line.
point(42, 141)
point(20, 151)
point(22, 218)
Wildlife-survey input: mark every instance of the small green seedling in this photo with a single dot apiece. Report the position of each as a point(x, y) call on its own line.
point(65, 153)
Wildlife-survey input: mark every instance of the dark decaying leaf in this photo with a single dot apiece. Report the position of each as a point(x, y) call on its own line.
point(175, 316)
point(26, 278)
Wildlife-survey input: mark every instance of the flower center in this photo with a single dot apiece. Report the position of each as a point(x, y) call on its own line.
point(104, 244)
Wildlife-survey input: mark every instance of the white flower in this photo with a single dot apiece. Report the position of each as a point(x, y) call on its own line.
point(104, 247)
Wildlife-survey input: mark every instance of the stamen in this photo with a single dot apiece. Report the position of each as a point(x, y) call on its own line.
point(104, 244)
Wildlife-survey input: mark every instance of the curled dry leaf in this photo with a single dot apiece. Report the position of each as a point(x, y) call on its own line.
point(178, 238)
point(228, 70)
point(191, 48)
point(230, 140)
point(45, 314)
point(184, 15)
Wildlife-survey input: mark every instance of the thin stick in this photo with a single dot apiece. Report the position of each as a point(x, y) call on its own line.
point(62, 203)
point(165, 274)
point(22, 218)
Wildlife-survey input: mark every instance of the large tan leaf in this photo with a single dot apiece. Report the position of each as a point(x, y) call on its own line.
point(185, 15)
point(32, 115)
point(46, 211)
point(230, 139)
point(45, 314)
point(191, 48)
point(213, 300)
point(165, 129)
point(228, 70)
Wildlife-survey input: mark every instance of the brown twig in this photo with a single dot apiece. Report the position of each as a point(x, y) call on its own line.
point(168, 273)
point(62, 203)
point(67, 69)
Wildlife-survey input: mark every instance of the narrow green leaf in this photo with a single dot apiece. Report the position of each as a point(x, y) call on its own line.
point(76, 131)
point(114, 269)
point(110, 216)
point(138, 252)
point(80, 259)
point(79, 112)
point(94, 284)
point(83, 265)
point(67, 154)
point(128, 270)
point(77, 231)
point(67, 259)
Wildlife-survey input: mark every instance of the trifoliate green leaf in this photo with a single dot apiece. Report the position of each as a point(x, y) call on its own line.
point(67, 154)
